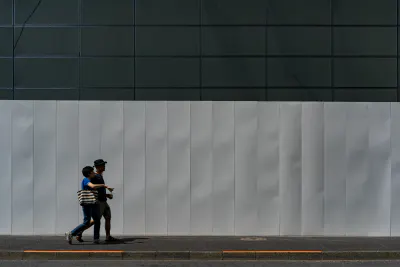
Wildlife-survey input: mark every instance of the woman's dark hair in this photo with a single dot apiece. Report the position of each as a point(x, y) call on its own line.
point(87, 171)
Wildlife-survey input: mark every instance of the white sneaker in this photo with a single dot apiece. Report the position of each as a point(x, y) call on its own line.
point(68, 237)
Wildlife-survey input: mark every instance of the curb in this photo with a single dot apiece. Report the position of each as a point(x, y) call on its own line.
point(201, 255)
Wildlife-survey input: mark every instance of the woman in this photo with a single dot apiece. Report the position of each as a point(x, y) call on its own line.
point(90, 210)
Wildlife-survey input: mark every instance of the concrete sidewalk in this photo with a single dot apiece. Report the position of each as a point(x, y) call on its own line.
point(202, 248)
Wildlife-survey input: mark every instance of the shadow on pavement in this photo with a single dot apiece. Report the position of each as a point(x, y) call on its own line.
point(127, 240)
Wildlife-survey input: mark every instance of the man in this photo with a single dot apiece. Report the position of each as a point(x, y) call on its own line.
point(105, 209)
point(90, 211)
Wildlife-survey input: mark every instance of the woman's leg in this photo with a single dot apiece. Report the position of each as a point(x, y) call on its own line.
point(86, 220)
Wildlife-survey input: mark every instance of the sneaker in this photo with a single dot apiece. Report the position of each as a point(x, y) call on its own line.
point(96, 241)
point(68, 237)
point(79, 238)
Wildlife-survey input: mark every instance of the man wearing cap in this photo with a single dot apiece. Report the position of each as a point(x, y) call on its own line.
point(105, 209)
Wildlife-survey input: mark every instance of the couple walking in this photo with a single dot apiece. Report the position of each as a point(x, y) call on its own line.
point(93, 199)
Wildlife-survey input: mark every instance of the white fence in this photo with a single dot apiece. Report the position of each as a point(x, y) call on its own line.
point(204, 168)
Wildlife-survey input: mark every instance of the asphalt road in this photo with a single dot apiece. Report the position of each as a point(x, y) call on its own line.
point(194, 264)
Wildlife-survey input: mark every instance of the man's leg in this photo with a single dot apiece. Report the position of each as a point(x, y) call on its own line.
point(96, 218)
point(108, 228)
point(107, 217)
point(102, 209)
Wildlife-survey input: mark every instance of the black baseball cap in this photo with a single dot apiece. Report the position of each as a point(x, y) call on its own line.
point(99, 162)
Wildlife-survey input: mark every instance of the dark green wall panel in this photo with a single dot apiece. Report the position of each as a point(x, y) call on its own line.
point(232, 50)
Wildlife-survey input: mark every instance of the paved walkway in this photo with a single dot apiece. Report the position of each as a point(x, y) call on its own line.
point(210, 247)
point(193, 243)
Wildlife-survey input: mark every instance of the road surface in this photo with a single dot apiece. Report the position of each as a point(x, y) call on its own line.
point(194, 264)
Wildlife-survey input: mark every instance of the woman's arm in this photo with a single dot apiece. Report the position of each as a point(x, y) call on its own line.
point(94, 186)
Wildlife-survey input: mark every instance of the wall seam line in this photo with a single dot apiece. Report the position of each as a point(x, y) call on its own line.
point(79, 47)
point(145, 167)
point(123, 161)
point(201, 50)
point(332, 61)
point(13, 55)
point(56, 167)
point(397, 49)
point(33, 166)
point(11, 171)
point(134, 49)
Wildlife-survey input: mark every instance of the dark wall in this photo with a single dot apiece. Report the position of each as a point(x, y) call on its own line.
point(274, 50)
